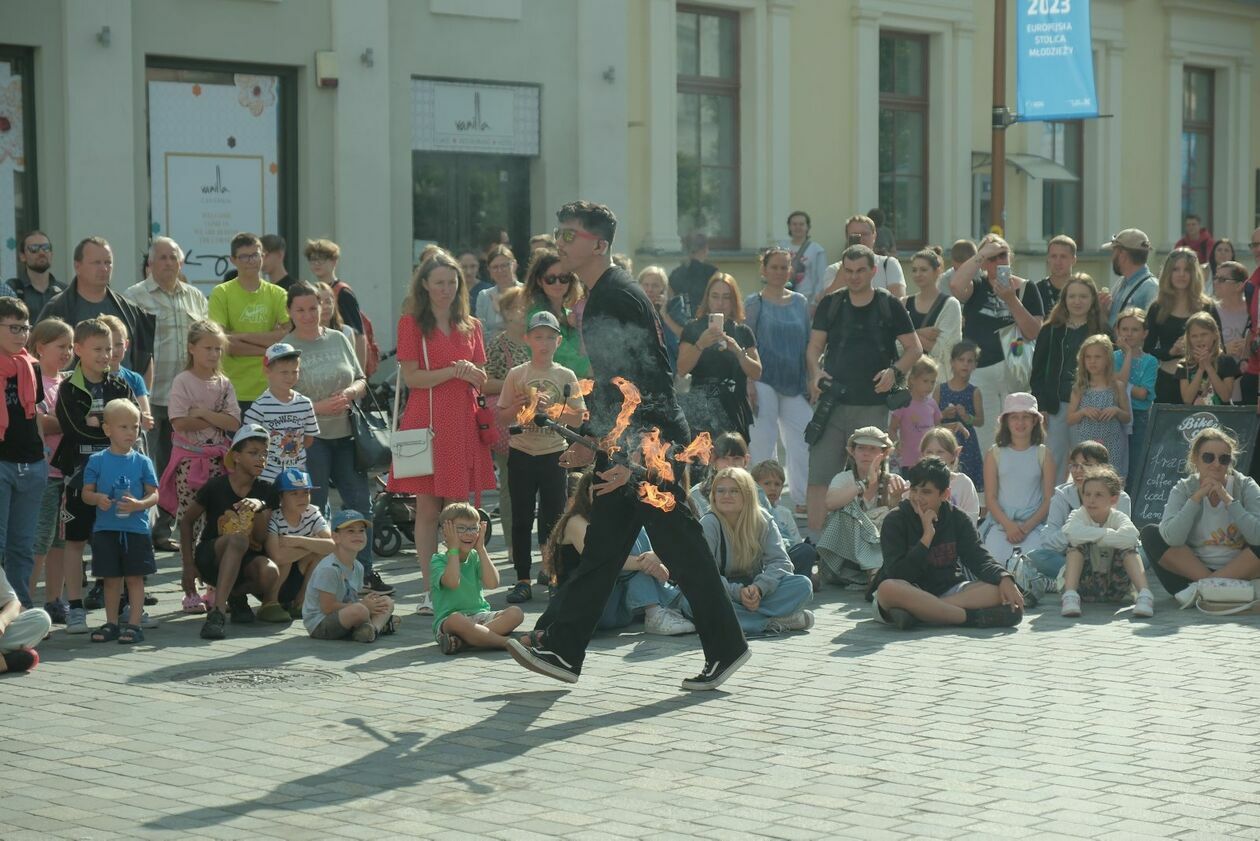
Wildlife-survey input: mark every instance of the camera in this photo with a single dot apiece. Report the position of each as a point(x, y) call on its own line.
point(855, 239)
point(827, 400)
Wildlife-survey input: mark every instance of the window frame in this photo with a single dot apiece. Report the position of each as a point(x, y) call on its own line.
point(913, 104)
point(1206, 131)
point(23, 60)
point(1076, 127)
point(716, 86)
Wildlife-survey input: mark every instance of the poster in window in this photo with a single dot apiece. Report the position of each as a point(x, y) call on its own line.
point(213, 167)
point(12, 163)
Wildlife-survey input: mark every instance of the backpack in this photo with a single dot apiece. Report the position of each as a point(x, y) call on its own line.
point(372, 360)
point(883, 319)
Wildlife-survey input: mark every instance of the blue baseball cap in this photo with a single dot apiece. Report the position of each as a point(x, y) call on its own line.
point(293, 479)
point(346, 516)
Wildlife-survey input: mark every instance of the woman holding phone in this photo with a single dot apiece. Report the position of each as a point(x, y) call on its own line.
point(720, 353)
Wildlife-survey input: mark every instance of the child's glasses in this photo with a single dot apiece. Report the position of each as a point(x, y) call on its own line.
point(1209, 458)
point(468, 529)
point(19, 329)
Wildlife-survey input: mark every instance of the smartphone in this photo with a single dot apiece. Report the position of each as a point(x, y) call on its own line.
point(1003, 277)
point(718, 320)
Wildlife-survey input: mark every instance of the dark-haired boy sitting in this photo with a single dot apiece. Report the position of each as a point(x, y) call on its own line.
point(927, 545)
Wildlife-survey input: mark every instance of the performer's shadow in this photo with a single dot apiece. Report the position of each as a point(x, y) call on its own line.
point(407, 759)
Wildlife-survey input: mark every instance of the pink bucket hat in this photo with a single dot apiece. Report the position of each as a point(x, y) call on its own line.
point(1020, 401)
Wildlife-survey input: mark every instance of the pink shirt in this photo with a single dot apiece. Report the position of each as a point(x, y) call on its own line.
point(912, 421)
point(217, 395)
point(49, 407)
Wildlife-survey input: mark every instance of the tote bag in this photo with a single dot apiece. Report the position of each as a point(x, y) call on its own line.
point(412, 449)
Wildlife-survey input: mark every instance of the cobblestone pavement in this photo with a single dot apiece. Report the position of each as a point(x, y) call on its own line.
point(1105, 727)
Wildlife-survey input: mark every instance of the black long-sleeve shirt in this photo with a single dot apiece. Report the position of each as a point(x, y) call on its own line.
point(1162, 335)
point(938, 567)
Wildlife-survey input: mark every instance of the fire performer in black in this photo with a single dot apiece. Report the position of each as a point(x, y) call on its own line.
point(623, 338)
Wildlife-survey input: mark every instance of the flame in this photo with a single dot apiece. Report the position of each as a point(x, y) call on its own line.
point(654, 460)
point(699, 449)
point(585, 387)
point(629, 403)
point(527, 412)
point(657, 498)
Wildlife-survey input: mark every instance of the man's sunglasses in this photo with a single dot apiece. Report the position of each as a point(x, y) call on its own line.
point(567, 235)
point(1209, 458)
point(38, 247)
point(564, 279)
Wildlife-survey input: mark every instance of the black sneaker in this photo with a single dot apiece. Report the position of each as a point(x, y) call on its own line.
point(372, 583)
point(95, 599)
point(242, 613)
point(56, 612)
point(716, 672)
point(212, 628)
point(542, 661)
point(520, 592)
point(1002, 616)
point(149, 601)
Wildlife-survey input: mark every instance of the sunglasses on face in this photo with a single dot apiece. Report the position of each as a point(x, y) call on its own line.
point(1224, 458)
point(39, 247)
point(564, 279)
point(567, 235)
point(1227, 279)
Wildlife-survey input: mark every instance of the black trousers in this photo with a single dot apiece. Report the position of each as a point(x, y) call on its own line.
point(616, 518)
point(160, 452)
point(533, 479)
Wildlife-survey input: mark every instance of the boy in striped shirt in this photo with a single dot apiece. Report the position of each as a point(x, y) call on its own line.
point(297, 537)
point(288, 415)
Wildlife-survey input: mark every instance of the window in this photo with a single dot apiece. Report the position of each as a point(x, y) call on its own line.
point(18, 211)
point(1062, 208)
point(903, 122)
point(708, 124)
point(1197, 116)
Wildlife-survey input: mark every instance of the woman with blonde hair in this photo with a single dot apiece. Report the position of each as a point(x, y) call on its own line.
point(719, 351)
point(1180, 296)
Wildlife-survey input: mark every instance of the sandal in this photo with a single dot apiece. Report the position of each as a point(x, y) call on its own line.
point(130, 635)
point(449, 643)
point(391, 626)
point(106, 633)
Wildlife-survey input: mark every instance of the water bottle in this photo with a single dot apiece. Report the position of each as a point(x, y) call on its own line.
point(122, 487)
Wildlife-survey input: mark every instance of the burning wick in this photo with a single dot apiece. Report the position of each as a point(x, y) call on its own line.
point(629, 403)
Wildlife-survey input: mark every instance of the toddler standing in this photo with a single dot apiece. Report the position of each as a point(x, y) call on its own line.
point(908, 423)
point(962, 408)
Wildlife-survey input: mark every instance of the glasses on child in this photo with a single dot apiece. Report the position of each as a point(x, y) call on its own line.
point(1224, 458)
point(19, 329)
point(468, 529)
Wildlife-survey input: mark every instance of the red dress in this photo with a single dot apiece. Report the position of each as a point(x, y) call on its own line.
point(461, 463)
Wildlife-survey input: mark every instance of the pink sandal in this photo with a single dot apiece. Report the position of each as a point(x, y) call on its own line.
point(193, 604)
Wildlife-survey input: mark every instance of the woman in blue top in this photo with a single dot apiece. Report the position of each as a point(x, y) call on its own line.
point(549, 288)
point(779, 318)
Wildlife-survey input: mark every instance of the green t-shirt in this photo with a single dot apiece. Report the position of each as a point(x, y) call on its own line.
point(238, 311)
point(466, 598)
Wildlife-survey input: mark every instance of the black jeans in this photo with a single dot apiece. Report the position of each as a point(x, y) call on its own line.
point(530, 479)
point(616, 518)
point(160, 451)
point(1155, 545)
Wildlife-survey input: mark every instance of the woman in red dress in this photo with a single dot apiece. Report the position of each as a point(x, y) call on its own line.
point(441, 326)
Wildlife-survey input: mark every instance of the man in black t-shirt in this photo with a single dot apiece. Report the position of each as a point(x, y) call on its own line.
point(857, 327)
point(690, 280)
point(623, 337)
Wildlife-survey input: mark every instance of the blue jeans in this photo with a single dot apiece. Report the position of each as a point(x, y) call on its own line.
point(792, 594)
point(334, 459)
point(21, 492)
point(1048, 562)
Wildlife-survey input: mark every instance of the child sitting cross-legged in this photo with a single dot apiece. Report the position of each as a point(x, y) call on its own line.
point(461, 615)
point(936, 570)
point(333, 609)
point(297, 537)
point(1102, 558)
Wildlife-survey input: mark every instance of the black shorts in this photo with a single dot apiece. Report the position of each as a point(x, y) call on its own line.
point(77, 517)
point(206, 560)
point(118, 554)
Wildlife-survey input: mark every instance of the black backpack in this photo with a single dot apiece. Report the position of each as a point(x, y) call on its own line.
point(839, 302)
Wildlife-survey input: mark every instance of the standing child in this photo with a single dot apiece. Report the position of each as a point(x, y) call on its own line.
point(962, 408)
point(1206, 374)
point(461, 614)
point(534, 472)
point(122, 484)
point(939, 442)
point(288, 415)
point(1019, 479)
point(908, 423)
point(204, 415)
point(1099, 408)
point(1102, 558)
point(297, 536)
point(119, 343)
point(51, 341)
point(81, 403)
point(1139, 369)
point(332, 608)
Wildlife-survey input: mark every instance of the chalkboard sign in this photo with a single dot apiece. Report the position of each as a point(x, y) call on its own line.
point(1168, 436)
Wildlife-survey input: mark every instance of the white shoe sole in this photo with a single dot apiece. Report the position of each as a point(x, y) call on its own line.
point(522, 655)
point(692, 686)
point(1070, 614)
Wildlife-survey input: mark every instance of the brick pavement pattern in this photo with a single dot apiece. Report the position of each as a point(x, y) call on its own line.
point(1102, 728)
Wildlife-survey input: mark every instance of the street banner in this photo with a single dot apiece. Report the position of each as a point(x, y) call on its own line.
point(1054, 67)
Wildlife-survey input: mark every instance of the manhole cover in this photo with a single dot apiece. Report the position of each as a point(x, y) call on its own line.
point(258, 678)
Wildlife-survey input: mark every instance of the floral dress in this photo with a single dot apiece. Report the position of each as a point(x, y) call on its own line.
point(969, 460)
point(1109, 433)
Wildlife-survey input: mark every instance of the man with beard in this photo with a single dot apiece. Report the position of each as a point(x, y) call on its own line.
point(1130, 250)
point(623, 337)
point(34, 284)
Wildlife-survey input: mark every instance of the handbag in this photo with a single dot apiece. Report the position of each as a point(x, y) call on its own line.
point(369, 429)
point(1226, 596)
point(1018, 352)
point(411, 450)
point(487, 429)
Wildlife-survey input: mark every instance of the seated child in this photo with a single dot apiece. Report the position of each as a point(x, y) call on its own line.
point(461, 614)
point(939, 442)
point(332, 609)
point(729, 450)
point(122, 484)
point(20, 630)
point(770, 478)
point(936, 570)
point(1049, 559)
point(1102, 558)
point(297, 537)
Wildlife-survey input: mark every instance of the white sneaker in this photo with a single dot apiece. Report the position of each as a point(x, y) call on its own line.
point(1071, 604)
point(1187, 597)
point(802, 620)
point(668, 623)
point(425, 608)
point(1144, 604)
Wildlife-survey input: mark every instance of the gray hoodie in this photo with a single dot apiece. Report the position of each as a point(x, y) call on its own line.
point(1177, 526)
point(774, 561)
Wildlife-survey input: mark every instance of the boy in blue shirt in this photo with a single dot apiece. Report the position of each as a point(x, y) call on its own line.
point(122, 484)
point(119, 344)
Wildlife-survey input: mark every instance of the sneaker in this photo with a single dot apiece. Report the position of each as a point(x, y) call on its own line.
point(544, 580)
point(715, 672)
point(192, 603)
point(1187, 597)
point(213, 628)
point(271, 612)
point(802, 620)
point(372, 583)
point(295, 610)
point(1071, 604)
point(95, 599)
point(1144, 604)
point(668, 623)
point(425, 608)
point(148, 622)
point(520, 592)
point(149, 600)
point(56, 612)
point(1002, 616)
point(76, 621)
point(238, 607)
point(365, 632)
point(542, 661)
point(901, 619)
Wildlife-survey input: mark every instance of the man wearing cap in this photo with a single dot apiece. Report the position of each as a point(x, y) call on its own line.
point(1130, 249)
point(288, 415)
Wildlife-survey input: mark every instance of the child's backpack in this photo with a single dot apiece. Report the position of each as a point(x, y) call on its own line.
point(372, 360)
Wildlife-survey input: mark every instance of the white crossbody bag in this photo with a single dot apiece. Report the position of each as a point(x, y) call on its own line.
point(411, 449)
point(1226, 596)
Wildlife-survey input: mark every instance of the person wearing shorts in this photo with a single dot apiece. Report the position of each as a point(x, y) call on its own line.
point(332, 609)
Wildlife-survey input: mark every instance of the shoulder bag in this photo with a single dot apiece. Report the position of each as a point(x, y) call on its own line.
point(412, 449)
point(1226, 596)
point(1018, 351)
point(370, 430)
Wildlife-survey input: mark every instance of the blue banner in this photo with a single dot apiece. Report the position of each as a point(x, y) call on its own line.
point(1054, 67)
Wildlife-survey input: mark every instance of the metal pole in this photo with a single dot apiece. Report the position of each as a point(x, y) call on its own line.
point(997, 200)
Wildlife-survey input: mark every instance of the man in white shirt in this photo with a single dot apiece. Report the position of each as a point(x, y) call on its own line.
point(860, 230)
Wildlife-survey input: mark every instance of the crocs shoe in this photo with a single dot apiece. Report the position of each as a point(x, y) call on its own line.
point(193, 603)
